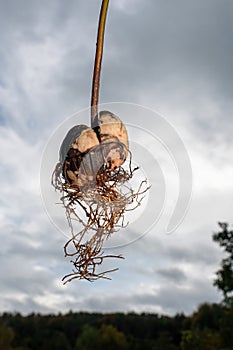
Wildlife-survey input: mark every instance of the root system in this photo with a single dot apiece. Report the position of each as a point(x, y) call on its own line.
point(94, 212)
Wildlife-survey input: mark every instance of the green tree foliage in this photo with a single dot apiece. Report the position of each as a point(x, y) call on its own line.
point(205, 329)
point(89, 339)
point(200, 340)
point(208, 328)
point(111, 338)
point(107, 337)
point(6, 338)
point(75, 331)
point(208, 316)
point(224, 280)
point(226, 328)
point(56, 341)
point(164, 341)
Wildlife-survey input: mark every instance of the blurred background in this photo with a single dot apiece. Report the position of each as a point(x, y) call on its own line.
point(175, 57)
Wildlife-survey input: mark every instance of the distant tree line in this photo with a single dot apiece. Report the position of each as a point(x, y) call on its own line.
point(208, 328)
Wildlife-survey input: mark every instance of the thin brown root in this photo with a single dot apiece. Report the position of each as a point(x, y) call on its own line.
point(103, 204)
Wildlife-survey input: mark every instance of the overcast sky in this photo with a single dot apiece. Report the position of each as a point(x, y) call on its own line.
point(173, 57)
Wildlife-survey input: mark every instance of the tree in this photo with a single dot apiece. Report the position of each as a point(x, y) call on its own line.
point(55, 340)
point(88, 339)
point(6, 338)
point(107, 337)
point(111, 338)
point(164, 341)
point(205, 329)
point(200, 340)
point(224, 280)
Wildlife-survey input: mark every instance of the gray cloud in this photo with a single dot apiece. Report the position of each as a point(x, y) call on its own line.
point(180, 58)
point(171, 44)
point(172, 274)
point(169, 298)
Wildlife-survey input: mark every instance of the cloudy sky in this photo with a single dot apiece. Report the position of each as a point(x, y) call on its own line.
point(173, 57)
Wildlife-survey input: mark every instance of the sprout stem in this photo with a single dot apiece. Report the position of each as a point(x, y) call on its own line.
point(98, 61)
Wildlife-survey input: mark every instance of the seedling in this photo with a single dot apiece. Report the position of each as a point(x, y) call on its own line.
point(94, 181)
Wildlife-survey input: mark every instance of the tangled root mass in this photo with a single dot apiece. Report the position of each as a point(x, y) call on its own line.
point(96, 196)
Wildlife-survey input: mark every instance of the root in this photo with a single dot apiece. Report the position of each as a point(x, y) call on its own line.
point(98, 207)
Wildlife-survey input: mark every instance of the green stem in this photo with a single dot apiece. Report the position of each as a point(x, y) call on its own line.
point(98, 61)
